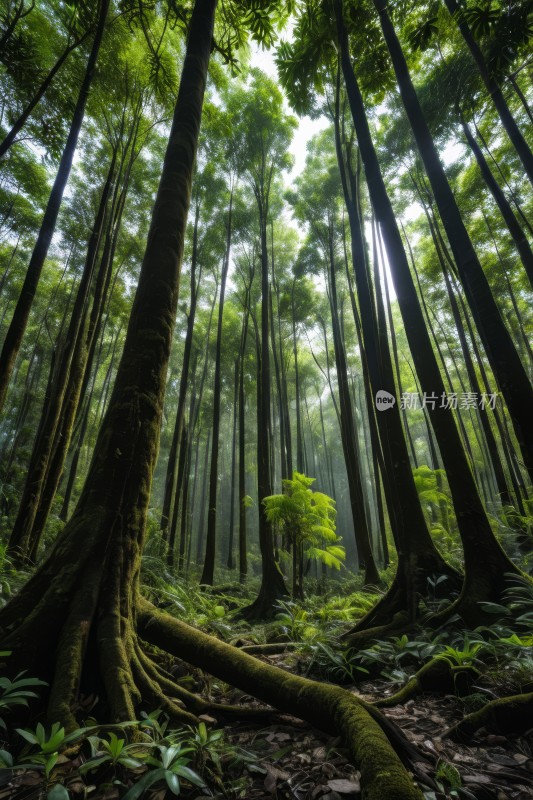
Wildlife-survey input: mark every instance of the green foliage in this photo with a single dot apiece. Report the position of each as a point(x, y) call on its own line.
point(16, 692)
point(461, 657)
point(170, 766)
point(307, 518)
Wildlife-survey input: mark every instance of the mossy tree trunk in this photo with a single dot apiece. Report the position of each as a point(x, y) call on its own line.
point(80, 604)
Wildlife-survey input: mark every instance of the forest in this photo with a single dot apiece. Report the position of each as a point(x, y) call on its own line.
point(266, 399)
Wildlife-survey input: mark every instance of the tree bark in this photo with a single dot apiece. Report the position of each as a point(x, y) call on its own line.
point(80, 604)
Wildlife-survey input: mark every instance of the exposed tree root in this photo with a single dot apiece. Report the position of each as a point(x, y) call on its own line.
point(508, 715)
point(399, 606)
point(438, 675)
point(328, 707)
point(87, 632)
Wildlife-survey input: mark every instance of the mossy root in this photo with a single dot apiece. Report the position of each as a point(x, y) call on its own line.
point(437, 676)
point(330, 708)
point(508, 715)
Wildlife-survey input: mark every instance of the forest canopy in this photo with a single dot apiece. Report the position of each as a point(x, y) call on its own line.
point(266, 441)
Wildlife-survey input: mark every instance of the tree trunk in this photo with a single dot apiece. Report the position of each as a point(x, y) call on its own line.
point(17, 126)
point(187, 349)
point(349, 437)
point(230, 563)
point(494, 91)
point(504, 359)
point(417, 555)
point(19, 321)
point(483, 580)
point(272, 584)
point(299, 435)
point(208, 573)
point(80, 604)
point(25, 536)
point(514, 227)
point(243, 545)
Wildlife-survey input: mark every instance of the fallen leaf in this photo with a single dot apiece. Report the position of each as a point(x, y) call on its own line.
point(344, 786)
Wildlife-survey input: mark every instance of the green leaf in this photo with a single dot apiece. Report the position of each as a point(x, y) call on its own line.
point(50, 763)
point(28, 735)
point(92, 763)
point(144, 783)
point(57, 792)
point(173, 782)
point(189, 775)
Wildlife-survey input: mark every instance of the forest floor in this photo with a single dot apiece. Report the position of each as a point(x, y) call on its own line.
point(283, 758)
point(297, 762)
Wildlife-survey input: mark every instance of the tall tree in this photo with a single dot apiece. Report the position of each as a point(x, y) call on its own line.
point(19, 320)
point(262, 141)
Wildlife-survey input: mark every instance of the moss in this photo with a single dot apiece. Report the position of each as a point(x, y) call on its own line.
point(509, 715)
point(330, 708)
point(438, 675)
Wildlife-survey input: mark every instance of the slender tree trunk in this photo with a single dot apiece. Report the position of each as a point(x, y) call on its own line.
point(279, 392)
point(284, 391)
point(514, 227)
point(243, 545)
point(494, 91)
point(503, 179)
point(187, 349)
point(482, 579)
point(299, 435)
point(203, 502)
point(19, 320)
point(39, 94)
point(210, 547)
point(520, 94)
point(349, 436)
point(417, 555)
point(440, 248)
point(184, 524)
point(20, 13)
point(272, 584)
point(504, 359)
point(25, 535)
point(231, 560)
point(171, 554)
